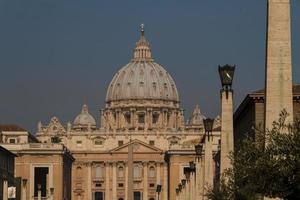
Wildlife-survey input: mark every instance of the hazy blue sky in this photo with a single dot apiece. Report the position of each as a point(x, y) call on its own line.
point(54, 54)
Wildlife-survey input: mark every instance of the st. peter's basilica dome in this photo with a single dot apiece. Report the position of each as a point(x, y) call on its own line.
point(142, 78)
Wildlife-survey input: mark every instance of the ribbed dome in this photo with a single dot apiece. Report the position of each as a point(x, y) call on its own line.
point(142, 78)
point(84, 118)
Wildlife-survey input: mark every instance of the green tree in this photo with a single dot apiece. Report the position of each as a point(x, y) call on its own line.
point(267, 165)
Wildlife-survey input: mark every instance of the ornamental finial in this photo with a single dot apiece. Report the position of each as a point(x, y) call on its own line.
point(142, 28)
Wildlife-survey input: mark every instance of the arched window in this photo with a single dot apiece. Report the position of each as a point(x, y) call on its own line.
point(151, 199)
point(98, 172)
point(152, 172)
point(121, 172)
point(136, 171)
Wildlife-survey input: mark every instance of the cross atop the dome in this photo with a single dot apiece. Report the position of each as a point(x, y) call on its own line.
point(142, 28)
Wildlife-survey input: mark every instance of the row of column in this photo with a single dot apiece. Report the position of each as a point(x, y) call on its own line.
point(111, 178)
point(117, 119)
point(198, 177)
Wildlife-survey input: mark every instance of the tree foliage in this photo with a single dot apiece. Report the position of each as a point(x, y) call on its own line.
point(267, 165)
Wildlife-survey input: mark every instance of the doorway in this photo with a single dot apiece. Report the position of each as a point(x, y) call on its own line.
point(137, 196)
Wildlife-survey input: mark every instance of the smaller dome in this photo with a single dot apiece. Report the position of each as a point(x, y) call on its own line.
point(84, 118)
point(196, 118)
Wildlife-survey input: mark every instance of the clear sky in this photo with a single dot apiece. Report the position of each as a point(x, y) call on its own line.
point(54, 53)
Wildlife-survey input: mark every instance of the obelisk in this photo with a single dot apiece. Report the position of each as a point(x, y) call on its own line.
point(278, 81)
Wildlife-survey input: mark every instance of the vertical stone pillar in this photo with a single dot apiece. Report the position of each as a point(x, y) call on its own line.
point(199, 179)
point(89, 180)
point(102, 119)
point(192, 186)
point(130, 172)
point(107, 193)
point(150, 118)
point(158, 176)
point(278, 94)
point(5, 188)
point(226, 129)
point(208, 164)
point(165, 182)
point(24, 189)
point(126, 181)
point(114, 180)
point(145, 180)
point(188, 190)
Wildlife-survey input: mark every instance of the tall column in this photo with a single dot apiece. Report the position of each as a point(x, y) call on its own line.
point(126, 181)
point(5, 188)
point(199, 178)
point(89, 181)
point(192, 186)
point(208, 163)
point(102, 119)
point(145, 180)
point(114, 180)
point(107, 195)
point(279, 62)
point(226, 129)
point(165, 183)
point(130, 172)
point(24, 189)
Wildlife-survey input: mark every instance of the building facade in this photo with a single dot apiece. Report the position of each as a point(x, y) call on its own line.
point(142, 109)
point(249, 116)
point(7, 169)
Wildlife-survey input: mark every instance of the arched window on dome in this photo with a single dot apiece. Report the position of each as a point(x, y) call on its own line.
point(141, 118)
point(127, 117)
point(155, 117)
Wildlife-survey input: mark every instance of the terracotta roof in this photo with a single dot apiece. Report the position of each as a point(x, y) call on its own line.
point(296, 90)
point(11, 127)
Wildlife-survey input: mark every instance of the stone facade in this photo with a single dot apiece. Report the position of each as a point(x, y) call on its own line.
point(7, 170)
point(142, 109)
point(249, 116)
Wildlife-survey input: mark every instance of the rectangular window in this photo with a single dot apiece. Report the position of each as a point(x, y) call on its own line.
point(151, 142)
point(128, 118)
point(98, 184)
point(141, 118)
point(155, 118)
point(40, 180)
point(12, 140)
point(121, 185)
point(151, 185)
point(120, 143)
point(98, 142)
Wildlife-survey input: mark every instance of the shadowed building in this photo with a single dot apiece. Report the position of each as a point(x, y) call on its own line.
point(250, 113)
point(7, 168)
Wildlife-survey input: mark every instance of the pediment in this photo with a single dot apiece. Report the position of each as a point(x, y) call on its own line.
point(138, 147)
